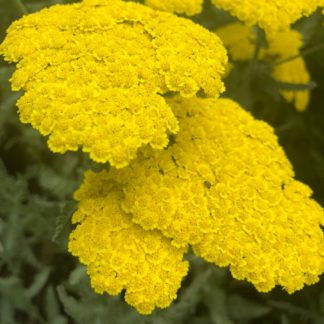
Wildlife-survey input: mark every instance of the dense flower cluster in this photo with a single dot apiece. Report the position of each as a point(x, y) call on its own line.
point(225, 187)
point(107, 99)
point(272, 16)
point(240, 40)
point(188, 7)
point(120, 254)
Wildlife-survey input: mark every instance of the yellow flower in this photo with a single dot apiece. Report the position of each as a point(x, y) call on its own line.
point(225, 187)
point(284, 45)
point(240, 41)
point(94, 74)
point(120, 254)
point(188, 7)
point(294, 72)
point(272, 16)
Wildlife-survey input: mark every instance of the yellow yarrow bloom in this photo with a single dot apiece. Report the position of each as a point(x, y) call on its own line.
point(284, 46)
point(294, 72)
point(240, 41)
point(226, 188)
point(188, 7)
point(94, 74)
point(272, 16)
point(120, 254)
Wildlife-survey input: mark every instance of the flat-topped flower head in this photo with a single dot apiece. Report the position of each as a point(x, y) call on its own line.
point(225, 187)
point(272, 16)
point(240, 41)
point(94, 74)
point(119, 254)
point(187, 7)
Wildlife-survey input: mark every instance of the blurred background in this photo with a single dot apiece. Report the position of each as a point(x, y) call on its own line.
point(41, 283)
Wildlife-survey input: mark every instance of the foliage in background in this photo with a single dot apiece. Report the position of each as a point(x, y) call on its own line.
point(41, 283)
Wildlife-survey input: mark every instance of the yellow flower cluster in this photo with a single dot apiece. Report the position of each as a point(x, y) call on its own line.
point(120, 254)
point(188, 7)
point(272, 16)
point(294, 72)
point(96, 75)
point(225, 187)
point(285, 46)
point(240, 41)
point(108, 99)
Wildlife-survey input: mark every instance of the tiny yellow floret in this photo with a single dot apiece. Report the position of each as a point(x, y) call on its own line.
point(94, 74)
point(119, 254)
point(188, 7)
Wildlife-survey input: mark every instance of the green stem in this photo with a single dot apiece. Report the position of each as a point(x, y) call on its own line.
point(259, 43)
point(296, 310)
point(20, 7)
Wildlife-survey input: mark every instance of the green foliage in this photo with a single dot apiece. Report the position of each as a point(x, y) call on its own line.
point(41, 283)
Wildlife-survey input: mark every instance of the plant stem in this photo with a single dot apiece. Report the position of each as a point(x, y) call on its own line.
point(259, 42)
point(20, 7)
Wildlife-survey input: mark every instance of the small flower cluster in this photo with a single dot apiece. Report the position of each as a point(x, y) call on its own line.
point(120, 254)
point(240, 40)
point(107, 99)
